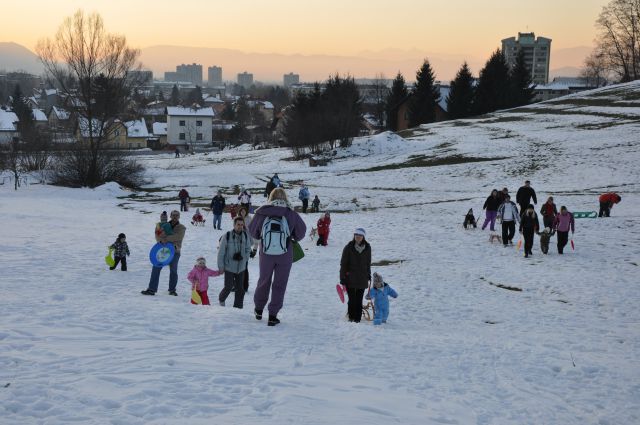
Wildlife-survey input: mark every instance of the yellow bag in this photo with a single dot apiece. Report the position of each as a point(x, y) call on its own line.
point(195, 297)
point(109, 258)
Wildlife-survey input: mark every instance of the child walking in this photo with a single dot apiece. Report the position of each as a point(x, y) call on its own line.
point(121, 250)
point(199, 278)
point(380, 294)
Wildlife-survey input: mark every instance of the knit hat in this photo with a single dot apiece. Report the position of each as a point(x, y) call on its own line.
point(360, 231)
point(175, 213)
point(121, 236)
point(163, 217)
point(201, 261)
point(377, 281)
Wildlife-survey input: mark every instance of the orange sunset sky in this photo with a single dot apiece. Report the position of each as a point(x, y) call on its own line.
point(455, 29)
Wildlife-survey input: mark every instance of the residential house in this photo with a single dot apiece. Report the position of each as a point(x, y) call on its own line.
point(560, 86)
point(39, 118)
point(8, 126)
point(264, 107)
point(160, 134)
point(189, 126)
point(402, 109)
point(58, 119)
point(111, 135)
point(137, 134)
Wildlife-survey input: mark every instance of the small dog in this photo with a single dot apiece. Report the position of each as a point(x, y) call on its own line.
point(545, 236)
point(470, 220)
point(493, 237)
point(313, 233)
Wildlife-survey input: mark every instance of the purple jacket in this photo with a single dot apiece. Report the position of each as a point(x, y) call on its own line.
point(563, 222)
point(296, 225)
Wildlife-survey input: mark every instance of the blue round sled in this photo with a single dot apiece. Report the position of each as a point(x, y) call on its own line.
point(161, 254)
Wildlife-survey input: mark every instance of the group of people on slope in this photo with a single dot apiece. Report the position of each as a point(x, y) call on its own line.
point(499, 207)
point(242, 242)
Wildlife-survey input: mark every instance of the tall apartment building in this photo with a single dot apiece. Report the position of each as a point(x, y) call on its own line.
point(192, 73)
point(214, 76)
point(245, 79)
point(537, 54)
point(290, 79)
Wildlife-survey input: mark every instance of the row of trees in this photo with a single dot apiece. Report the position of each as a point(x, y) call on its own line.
point(324, 118)
point(498, 87)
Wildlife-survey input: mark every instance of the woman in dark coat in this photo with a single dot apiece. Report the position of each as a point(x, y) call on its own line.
point(529, 225)
point(355, 272)
point(491, 206)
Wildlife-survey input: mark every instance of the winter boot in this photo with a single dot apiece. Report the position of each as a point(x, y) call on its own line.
point(147, 292)
point(273, 320)
point(258, 313)
point(174, 293)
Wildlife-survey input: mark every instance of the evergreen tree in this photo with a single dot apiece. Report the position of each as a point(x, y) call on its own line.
point(460, 99)
point(342, 109)
point(521, 88)
point(492, 91)
point(175, 96)
point(424, 97)
point(26, 125)
point(195, 97)
point(398, 93)
point(161, 96)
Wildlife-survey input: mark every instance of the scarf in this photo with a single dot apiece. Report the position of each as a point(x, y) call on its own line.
point(280, 203)
point(360, 248)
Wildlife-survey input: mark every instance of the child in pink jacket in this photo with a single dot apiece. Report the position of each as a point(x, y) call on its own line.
point(199, 278)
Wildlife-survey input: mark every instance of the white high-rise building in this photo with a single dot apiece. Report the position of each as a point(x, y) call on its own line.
point(290, 79)
point(214, 76)
point(245, 79)
point(191, 73)
point(537, 54)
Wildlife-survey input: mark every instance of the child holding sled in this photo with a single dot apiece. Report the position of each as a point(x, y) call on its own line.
point(199, 278)
point(121, 250)
point(380, 294)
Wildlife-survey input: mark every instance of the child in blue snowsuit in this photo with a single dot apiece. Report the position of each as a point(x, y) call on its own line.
point(380, 294)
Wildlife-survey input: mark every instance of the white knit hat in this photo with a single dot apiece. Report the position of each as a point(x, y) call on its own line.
point(360, 231)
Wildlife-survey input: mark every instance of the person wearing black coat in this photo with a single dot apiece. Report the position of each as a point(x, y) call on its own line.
point(529, 225)
point(491, 206)
point(524, 196)
point(355, 272)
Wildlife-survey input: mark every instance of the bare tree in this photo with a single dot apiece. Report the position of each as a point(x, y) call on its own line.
point(90, 66)
point(619, 38)
point(381, 92)
point(594, 73)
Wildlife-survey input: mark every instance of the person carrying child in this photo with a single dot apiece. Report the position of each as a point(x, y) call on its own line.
point(199, 278)
point(380, 294)
point(121, 250)
point(163, 226)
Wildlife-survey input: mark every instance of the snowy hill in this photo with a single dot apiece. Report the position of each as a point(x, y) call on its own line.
point(78, 343)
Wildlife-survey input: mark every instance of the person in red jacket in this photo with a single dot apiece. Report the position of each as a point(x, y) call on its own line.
point(323, 229)
point(606, 203)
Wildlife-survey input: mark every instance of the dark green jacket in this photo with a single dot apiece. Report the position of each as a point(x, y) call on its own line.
point(355, 267)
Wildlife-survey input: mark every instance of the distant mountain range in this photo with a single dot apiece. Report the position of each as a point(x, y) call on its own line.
point(270, 67)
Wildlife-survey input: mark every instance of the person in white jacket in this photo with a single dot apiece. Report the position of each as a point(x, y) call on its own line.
point(508, 214)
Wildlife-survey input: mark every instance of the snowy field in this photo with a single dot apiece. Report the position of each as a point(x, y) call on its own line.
point(79, 344)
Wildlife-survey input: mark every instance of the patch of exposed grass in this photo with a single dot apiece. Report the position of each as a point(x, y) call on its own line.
point(398, 189)
point(415, 161)
point(383, 263)
point(506, 118)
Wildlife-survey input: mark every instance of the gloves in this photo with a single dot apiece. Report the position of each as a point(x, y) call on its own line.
point(253, 253)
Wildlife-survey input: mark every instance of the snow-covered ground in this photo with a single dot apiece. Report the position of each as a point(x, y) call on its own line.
point(79, 344)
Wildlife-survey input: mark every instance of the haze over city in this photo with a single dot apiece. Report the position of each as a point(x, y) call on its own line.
point(270, 38)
